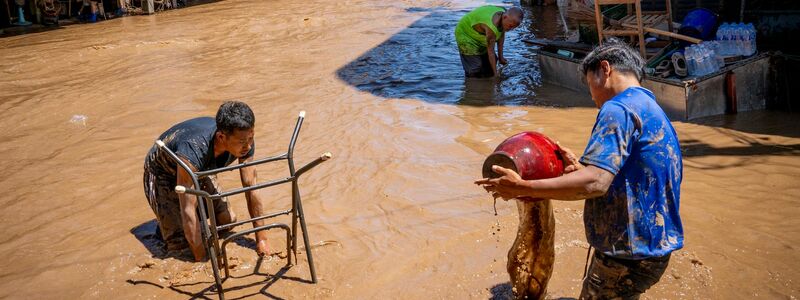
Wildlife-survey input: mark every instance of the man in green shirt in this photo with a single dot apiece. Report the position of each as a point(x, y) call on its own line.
point(476, 34)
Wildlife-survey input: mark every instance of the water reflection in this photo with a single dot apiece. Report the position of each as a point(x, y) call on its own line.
point(422, 62)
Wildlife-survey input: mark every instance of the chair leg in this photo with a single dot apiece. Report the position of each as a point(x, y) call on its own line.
point(669, 16)
point(598, 18)
point(642, 49)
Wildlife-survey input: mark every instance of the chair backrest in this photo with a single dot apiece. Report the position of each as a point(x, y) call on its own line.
point(638, 32)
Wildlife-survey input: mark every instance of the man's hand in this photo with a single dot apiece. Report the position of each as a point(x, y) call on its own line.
point(571, 161)
point(261, 246)
point(503, 60)
point(508, 186)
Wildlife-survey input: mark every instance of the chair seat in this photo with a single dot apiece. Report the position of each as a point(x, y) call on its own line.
point(648, 20)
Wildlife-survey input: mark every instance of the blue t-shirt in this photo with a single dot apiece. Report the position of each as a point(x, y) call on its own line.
point(638, 216)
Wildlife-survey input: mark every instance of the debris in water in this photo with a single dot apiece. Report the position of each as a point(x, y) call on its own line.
point(233, 262)
point(79, 119)
point(146, 265)
point(323, 243)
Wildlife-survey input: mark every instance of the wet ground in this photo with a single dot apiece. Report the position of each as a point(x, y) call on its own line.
point(394, 214)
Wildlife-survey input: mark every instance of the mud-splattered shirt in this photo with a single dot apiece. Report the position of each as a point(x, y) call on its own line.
point(638, 216)
point(192, 140)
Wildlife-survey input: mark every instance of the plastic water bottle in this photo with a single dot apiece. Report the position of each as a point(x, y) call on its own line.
point(741, 33)
point(746, 44)
point(721, 34)
point(745, 39)
point(752, 38)
point(734, 39)
point(714, 47)
point(691, 66)
point(727, 39)
point(718, 55)
point(707, 58)
point(702, 62)
point(720, 30)
point(711, 61)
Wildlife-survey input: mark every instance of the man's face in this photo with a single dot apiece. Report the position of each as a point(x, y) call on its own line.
point(239, 141)
point(596, 84)
point(510, 22)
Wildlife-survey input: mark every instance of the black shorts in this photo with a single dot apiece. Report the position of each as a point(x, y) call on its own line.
point(159, 188)
point(476, 65)
point(616, 278)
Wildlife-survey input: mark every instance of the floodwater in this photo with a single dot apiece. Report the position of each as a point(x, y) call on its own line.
point(394, 214)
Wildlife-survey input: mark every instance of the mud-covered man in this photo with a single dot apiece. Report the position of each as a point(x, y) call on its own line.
point(203, 143)
point(476, 35)
point(630, 176)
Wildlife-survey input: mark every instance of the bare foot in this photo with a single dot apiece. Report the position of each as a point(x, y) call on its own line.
point(261, 248)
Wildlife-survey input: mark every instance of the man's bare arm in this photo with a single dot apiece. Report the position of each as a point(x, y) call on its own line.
point(500, 43)
point(249, 177)
point(189, 219)
point(491, 39)
point(587, 182)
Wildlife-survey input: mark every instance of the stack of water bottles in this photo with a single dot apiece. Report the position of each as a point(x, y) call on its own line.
point(732, 40)
point(704, 58)
point(737, 39)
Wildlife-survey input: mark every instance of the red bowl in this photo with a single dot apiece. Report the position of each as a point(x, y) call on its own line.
point(531, 154)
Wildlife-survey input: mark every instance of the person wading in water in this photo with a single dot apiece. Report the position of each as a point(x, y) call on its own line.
point(630, 175)
point(476, 34)
point(203, 143)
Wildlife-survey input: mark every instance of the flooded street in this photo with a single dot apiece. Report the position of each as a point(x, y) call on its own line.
point(394, 214)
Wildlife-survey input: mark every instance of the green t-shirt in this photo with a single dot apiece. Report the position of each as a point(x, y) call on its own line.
point(471, 42)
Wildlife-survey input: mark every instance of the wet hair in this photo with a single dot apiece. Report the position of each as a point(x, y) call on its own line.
point(619, 55)
point(234, 115)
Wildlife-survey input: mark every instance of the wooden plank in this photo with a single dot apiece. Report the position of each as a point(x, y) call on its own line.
point(647, 21)
point(666, 33)
point(639, 28)
point(598, 18)
point(620, 32)
point(628, 19)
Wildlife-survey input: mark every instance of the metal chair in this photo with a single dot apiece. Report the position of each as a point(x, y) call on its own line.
point(209, 229)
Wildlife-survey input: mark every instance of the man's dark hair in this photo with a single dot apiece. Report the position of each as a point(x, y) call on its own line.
point(619, 55)
point(234, 115)
point(517, 12)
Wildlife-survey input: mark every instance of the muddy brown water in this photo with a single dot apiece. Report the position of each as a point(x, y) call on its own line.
point(394, 214)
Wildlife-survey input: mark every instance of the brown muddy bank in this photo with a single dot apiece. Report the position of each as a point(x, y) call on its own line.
point(395, 213)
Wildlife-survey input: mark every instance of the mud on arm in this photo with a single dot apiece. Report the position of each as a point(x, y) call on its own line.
point(249, 177)
point(189, 218)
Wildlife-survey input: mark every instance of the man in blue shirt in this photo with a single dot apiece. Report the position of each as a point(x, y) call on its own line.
point(630, 176)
